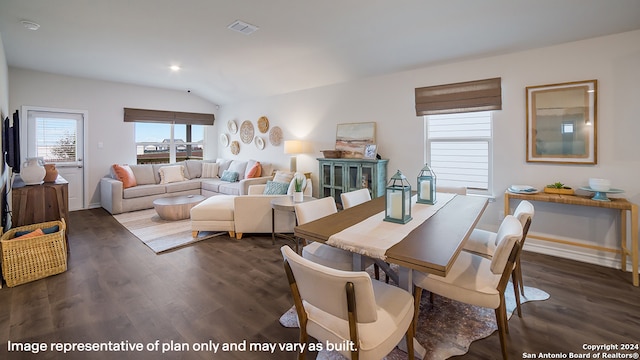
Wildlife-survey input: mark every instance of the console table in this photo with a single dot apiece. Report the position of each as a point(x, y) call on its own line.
point(34, 204)
point(623, 205)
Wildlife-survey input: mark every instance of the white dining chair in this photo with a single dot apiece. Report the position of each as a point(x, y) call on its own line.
point(315, 251)
point(477, 280)
point(483, 242)
point(348, 307)
point(355, 197)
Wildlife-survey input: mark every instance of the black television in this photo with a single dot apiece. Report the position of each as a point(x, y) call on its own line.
point(11, 142)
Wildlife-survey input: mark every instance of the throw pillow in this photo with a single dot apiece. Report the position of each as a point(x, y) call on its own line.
point(143, 174)
point(45, 231)
point(125, 174)
point(283, 176)
point(275, 188)
point(169, 174)
point(209, 170)
point(238, 166)
point(255, 171)
point(292, 185)
point(230, 176)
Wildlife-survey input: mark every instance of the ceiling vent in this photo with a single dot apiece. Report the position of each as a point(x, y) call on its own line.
point(242, 27)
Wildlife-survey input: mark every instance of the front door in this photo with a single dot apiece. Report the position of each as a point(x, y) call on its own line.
point(57, 136)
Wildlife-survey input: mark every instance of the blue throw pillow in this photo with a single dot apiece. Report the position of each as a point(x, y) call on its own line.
point(49, 230)
point(276, 188)
point(230, 176)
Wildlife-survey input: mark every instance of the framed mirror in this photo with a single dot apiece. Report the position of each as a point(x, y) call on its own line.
point(561, 123)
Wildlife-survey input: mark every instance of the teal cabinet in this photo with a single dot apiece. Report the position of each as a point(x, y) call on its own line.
point(343, 175)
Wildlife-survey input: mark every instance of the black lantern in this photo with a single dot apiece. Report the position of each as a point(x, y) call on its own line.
point(426, 186)
point(398, 200)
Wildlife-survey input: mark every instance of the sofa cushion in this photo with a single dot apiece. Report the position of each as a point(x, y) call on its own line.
point(210, 170)
point(229, 176)
point(222, 165)
point(143, 174)
point(210, 184)
point(193, 184)
point(125, 174)
point(276, 188)
point(171, 173)
point(143, 190)
point(283, 176)
point(229, 188)
point(193, 169)
point(238, 166)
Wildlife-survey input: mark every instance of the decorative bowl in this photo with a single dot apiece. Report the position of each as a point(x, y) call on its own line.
point(332, 154)
point(600, 184)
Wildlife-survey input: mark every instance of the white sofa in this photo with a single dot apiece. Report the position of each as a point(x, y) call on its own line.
point(116, 199)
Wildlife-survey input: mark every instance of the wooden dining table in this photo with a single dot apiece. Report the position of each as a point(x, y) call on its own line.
point(432, 247)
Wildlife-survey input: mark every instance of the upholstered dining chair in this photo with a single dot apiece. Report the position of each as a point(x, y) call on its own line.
point(348, 307)
point(355, 197)
point(477, 280)
point(483, 242)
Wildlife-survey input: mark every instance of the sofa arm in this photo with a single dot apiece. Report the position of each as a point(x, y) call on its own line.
point(252, 214)
point(256, 189)
point(245, 183)
point(111, 194)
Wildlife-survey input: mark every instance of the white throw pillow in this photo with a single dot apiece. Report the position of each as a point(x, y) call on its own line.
point(283, 176)
point(292, 184)
point(239, 167)
point(209, 170)
point(169, 174)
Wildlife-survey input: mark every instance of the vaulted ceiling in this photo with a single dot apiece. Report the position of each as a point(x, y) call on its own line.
point(300, 44)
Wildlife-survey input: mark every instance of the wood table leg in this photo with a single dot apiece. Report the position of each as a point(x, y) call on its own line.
point(623, 240)
point(634, 243)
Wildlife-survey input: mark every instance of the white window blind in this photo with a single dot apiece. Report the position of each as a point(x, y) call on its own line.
point(459, 149)
point(56, 137)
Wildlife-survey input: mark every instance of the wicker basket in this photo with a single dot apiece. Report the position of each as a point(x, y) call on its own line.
point(29, 259)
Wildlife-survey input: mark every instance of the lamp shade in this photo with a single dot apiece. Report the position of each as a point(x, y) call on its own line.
point(293, 147)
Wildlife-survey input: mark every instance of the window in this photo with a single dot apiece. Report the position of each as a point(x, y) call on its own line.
point(458, 148)
point(168, 143)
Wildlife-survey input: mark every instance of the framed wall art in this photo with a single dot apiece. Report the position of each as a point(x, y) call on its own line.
point(561, 123)
point(352, 138)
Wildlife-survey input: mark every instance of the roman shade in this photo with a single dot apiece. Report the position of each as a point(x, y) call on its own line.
point(470, 96)
point(159, 116)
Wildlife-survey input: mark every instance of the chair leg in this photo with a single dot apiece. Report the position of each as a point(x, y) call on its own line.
point(411, 333)
point(417, 296)
point(514, 279)
point(376, 271)
point(304, 339)
point(431, 297)
point(502, 332)
point(518, 270)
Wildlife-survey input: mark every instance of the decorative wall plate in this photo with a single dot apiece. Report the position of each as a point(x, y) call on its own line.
point(235, 147)
point(246, 132)
point(275, 136)
point(224, 140)
point(232, 126)
point(259, 142)
point(263, 124)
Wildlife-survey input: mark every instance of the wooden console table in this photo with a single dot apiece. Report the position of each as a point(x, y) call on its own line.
point(34, 204)
point(623, 205)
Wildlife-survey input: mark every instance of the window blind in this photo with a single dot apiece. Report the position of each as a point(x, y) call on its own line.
point(470, 96)
point(172, 117)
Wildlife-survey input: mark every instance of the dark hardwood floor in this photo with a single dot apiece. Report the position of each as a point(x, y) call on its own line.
point(224, 290)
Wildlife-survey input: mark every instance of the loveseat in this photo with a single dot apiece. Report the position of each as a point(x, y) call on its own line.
point(142, 184)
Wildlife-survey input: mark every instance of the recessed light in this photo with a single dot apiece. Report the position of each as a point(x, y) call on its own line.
point(174, 68)
point(30, 25)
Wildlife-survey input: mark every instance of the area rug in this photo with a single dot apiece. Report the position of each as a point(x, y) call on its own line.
point(158, 234)
point(446, 328)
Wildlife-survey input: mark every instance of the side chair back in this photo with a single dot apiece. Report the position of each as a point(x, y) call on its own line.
point(313, 210)
point(353, 198)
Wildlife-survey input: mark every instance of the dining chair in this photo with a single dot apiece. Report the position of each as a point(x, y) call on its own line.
point(483, 242)
point(477, 280)
point(348, 308)
point(355, 197)
point(318, 252)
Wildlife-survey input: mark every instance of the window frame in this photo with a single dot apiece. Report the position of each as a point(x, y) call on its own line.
point(428, 141)
point(173, 146)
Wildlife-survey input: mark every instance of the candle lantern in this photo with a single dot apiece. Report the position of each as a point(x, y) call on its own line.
point(398, 199)
point(426, 186)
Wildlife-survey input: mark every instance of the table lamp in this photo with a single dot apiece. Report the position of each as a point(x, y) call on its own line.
point(293, 147)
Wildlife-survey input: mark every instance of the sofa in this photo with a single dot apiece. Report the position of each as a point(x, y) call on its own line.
point(135, 187)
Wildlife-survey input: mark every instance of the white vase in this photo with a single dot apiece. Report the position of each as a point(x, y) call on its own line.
point(32, 172)
point(298, 196)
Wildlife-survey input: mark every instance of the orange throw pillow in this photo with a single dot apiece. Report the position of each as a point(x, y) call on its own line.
point(34, 233)
point(125, 174)
point(255, 171)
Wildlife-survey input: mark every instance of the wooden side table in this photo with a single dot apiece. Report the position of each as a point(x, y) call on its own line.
point(620, 204)
point(34, 204)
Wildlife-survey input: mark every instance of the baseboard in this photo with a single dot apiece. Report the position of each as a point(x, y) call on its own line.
point(575, 253)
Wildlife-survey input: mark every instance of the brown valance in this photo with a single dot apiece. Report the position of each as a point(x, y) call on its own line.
point(159, 116)
point(470, 96)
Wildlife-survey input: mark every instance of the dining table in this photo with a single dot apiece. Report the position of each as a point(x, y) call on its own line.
point(430, 245)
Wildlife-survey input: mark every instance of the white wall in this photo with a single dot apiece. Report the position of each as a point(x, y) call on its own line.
point(389, 101)
point(105, 103)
